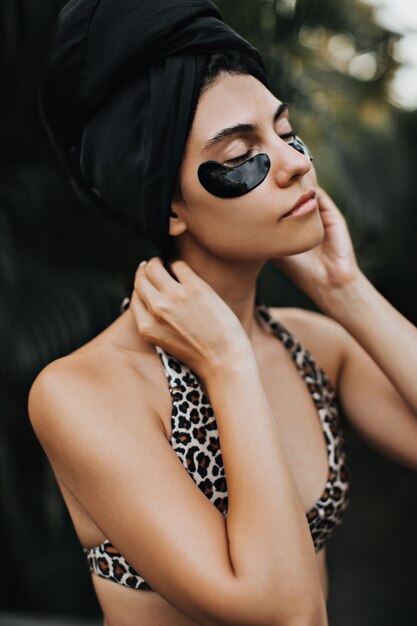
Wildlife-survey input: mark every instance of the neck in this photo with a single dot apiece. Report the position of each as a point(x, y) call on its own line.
point(234, 281)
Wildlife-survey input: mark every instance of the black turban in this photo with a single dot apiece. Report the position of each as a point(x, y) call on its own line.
point(118, 96)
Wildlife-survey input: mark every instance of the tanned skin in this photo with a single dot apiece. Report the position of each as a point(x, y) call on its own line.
point(103, 413)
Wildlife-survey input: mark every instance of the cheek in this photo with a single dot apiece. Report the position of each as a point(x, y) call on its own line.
point(207, 212)
point(209, 215)
point(233, 227)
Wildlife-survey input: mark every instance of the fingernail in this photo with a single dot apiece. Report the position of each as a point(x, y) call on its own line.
point(142, 263)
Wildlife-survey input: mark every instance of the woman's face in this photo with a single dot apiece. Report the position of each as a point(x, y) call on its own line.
point(248, 227)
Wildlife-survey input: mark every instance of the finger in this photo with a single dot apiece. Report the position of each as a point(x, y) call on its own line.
point(143, 318)
point(149, 294)
point(325, 200)
point(185, 274)
point(159, 276)
point(321, 195)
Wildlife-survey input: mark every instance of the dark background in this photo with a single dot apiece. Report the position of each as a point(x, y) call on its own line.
point(64, 270)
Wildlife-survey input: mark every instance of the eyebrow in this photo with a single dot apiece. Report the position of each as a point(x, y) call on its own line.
point(242, 128)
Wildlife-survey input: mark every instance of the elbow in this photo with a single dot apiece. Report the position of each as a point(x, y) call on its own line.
point(308, 612)
point(301, 618)
point(316, 617)
point(298, 607)
point(251, 609)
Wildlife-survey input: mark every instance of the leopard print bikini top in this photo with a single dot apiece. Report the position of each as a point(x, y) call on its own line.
point(195, 440)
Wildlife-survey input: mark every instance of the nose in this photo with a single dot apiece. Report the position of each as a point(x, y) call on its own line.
point(287, 163)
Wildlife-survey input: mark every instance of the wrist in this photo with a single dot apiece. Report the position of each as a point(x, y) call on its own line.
point(343, 301)
point(230, 365)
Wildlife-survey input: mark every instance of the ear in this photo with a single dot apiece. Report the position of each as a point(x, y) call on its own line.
point(177, 224)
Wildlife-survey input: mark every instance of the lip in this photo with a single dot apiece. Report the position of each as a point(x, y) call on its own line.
point(305, 204)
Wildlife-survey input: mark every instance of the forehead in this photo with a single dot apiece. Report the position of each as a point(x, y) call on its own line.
point(232, 99)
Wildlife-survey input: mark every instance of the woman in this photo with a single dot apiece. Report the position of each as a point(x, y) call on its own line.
point(194, 362)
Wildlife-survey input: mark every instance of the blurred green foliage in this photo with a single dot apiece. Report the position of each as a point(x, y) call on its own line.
point(333, 63)
point(64, 270)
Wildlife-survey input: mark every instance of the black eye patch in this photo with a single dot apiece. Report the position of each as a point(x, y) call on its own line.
point(298, 144)
point(231, 182)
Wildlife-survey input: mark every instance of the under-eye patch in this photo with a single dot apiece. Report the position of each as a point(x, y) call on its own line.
point(231, 182)
point(298, 144)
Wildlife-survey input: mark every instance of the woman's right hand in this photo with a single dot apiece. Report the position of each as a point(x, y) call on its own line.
point(186, 317)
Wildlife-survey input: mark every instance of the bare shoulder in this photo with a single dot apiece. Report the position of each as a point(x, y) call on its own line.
point(321, 335)
point(101, 384)
point(98, 427)
point(309, 323)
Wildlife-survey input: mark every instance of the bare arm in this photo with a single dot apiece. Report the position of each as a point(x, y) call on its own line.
point(257, 567)
point(269, 539)
point(370, 401)
point(378, 369)
point(386, 335)
point(378, 345)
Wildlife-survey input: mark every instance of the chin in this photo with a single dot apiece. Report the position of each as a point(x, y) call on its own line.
point(301, 239)
point(315, 230)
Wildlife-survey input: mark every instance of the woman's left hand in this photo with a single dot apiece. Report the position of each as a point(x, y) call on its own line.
point(329, 265)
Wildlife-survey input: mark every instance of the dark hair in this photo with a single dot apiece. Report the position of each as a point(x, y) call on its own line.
point(211, 68)
point(228, 61)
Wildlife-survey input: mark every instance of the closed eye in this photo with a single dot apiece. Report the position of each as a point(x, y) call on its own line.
point(287, 135)
point(248, 154)
point(238, 159)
